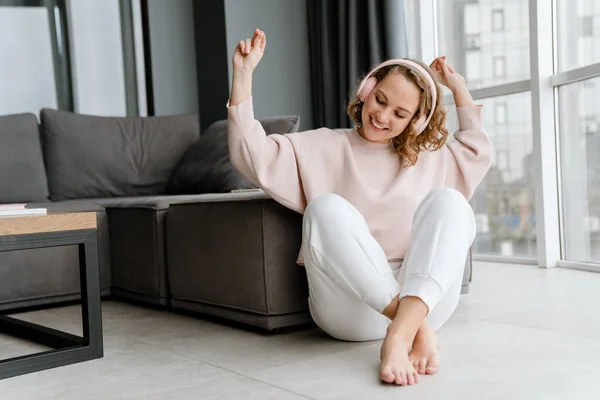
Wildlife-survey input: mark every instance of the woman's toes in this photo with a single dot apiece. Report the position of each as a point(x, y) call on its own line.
point(431, 369)
point(415, 364)
point(401, 378)
point(387, 376)
point(417, 377)
point(421, 367)
point(410, 378)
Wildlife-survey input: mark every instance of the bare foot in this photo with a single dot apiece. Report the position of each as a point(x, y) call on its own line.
point(424, 355)
point(395, 364)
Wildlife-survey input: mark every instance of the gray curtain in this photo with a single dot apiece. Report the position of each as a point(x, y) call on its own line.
point(346, 39)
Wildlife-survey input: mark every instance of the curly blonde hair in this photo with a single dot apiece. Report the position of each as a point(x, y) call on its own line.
point(408, 144)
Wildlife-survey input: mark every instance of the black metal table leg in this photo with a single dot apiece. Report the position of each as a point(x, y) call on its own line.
point(67, 348)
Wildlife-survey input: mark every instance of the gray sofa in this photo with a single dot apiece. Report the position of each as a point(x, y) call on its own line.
point(230, 255)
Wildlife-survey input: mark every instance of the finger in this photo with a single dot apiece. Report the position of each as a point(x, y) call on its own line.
point(256, 39)
point(248, 45)
point(242, 45)
point(446, 70)
point(438, 64)
point(263, 41)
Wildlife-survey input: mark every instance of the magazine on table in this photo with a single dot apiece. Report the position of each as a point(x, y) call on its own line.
point(20, 209)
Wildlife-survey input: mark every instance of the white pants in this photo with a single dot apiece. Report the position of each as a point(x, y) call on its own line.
point(350, 280)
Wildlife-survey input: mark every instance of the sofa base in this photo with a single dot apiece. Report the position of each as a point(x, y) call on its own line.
point(128, 295)
point(268, 322)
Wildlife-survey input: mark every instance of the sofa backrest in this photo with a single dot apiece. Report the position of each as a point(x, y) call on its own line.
point(90, 156)
point(22, 172)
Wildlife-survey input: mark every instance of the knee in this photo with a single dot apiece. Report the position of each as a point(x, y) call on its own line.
point(324, 206)
point(447, 203)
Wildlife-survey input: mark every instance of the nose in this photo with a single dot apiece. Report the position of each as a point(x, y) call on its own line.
point(383, 115)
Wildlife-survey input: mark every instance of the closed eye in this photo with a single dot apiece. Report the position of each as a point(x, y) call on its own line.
point(382, 103)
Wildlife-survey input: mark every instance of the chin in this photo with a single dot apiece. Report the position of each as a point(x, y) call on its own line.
point(375, 135)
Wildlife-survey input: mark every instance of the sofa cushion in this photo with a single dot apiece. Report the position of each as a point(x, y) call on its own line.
point(89, 156)
point(22, 173)
point(165, 201)
point(206, 167)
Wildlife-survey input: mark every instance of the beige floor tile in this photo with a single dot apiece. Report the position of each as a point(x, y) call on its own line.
point(128, 370)
point(478, 357)
point(521, 333)
point(239, 388)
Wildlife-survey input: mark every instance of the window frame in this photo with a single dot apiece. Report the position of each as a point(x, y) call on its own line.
point(543, 85)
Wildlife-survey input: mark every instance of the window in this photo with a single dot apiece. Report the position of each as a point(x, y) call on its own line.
point(489, 42)
point(502, 159)
point(497, 20)
point(587, 26)
point(500, 113)
point(580, 164)
point(486, 29)
point(505, 200)
point(499, 67)
point(35, 56)
point(472, 69)
point(590, 124)
point(473, 42)
point(578, 44)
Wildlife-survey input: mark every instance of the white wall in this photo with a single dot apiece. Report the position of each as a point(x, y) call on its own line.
point(96, 57)
point(173, 56)
point(27, 69)
point(281, 83)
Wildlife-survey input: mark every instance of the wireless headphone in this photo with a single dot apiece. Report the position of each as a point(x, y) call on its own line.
point(369, 82)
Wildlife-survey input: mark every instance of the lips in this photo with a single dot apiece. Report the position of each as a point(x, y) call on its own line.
point(377, 127)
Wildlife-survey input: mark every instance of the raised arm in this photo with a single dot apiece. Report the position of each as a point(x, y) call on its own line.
point(270, 162)
point(470, 155)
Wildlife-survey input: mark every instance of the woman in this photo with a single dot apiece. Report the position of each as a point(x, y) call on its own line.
point(389, 193)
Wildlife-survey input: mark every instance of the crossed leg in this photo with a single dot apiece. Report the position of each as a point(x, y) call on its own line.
point(354, 294)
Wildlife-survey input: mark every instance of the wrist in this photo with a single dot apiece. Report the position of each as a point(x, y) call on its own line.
point(242, 74)
point(460, 89)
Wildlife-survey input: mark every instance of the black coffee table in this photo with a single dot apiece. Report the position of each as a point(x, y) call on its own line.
point(33, 232)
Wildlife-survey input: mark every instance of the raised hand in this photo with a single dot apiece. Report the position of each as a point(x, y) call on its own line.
point(445, 74)
point(249, 52)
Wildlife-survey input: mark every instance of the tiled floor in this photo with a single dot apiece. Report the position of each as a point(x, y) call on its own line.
point(522, 333)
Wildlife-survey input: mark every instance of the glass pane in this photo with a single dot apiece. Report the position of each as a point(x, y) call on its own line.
point(578, 33)
point(27, 67)
point(487, 40)
point(580, 169)
point(504, 203)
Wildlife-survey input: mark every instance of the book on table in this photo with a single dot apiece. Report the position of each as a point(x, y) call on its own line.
point(18, 210)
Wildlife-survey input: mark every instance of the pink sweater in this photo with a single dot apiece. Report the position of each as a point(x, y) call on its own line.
point(295, 168)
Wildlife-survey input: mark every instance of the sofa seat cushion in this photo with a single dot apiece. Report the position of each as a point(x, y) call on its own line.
point(206, 168)
point(90, 157)
point(163, 202)
point(22, 172)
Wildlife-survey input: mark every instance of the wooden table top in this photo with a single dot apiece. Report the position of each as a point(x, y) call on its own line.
point(58, 222)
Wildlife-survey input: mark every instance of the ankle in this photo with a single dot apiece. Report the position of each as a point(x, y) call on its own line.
point(392, 308)
point(397, 334)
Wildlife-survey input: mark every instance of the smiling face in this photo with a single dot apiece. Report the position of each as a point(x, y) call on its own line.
point(389, 108)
